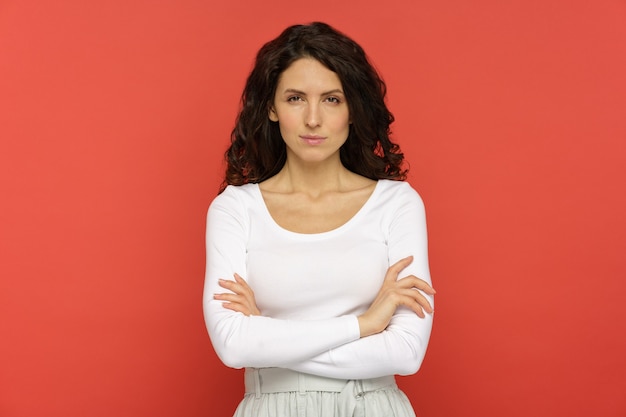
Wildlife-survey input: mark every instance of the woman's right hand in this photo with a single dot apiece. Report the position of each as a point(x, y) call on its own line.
point(393, 294)
point(242, 297)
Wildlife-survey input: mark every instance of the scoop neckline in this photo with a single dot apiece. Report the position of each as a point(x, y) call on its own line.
point(364, 208)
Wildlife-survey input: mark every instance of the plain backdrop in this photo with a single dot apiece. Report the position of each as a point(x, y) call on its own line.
point(114, 116)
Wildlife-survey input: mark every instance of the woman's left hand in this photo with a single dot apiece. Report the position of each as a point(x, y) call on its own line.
point(242, 299)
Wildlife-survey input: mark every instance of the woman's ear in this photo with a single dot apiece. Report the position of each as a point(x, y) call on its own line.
point(272, 114)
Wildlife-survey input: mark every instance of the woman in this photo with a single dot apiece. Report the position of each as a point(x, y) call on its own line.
point(315, 245)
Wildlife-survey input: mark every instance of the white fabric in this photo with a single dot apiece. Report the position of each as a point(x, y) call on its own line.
point(311, 287)
point(273, 380)
point(279, 392)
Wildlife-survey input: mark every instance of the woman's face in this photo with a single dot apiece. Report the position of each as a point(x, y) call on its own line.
point(311, 110)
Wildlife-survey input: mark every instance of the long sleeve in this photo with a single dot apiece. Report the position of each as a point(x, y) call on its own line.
point(256, 341)
point(399, 349)
point(311, 288)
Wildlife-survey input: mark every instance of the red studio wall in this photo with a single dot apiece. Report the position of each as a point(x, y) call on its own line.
point(113, 119)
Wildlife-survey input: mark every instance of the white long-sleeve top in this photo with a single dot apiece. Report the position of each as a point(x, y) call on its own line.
point(310, 288)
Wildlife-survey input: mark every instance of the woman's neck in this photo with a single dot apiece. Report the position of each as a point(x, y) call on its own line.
point(313, 179)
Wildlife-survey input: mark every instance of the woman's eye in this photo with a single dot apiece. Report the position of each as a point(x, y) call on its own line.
point(333, 100)
point(294, 98)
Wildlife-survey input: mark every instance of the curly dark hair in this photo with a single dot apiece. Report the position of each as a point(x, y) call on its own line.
point(258, 152)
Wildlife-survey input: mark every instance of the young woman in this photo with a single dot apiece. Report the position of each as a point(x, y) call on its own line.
point(317, 277)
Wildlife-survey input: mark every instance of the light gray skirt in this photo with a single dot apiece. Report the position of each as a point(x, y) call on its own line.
point(276, 392)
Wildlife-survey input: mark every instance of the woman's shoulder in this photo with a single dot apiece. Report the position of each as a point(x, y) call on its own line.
point(397, 189)
point(393, 195)
point(237, 196)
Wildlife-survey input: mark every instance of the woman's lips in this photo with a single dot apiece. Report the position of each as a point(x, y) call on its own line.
point(312, 139)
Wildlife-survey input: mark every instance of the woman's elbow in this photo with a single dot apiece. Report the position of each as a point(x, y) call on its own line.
point(410, 366)
point(411, 358)
point(230, 358)
point(227, 345)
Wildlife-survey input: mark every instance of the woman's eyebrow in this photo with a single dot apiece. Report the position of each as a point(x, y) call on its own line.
point(326, 93)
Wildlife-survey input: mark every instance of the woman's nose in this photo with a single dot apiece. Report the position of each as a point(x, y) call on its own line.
point(313, 117)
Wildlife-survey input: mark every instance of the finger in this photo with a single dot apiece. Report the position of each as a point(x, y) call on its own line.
point(233, 286)
point(237, 303)
point(224, 283)
point(237, 283)
point(395, 269)
point(411, 303)
point(401, 264)
point(237, 307)
point(418, 310)
point(227, 283)
point(246, 291)
point(422, 285)
point(420, 299)
point(233, 298)
point(241, 281)
point(413, 282)
point(419, 305)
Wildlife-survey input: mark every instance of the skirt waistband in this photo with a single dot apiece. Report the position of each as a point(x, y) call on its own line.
point(273, 380)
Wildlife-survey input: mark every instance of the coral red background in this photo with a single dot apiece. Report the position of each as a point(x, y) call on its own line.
point(113, 118)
